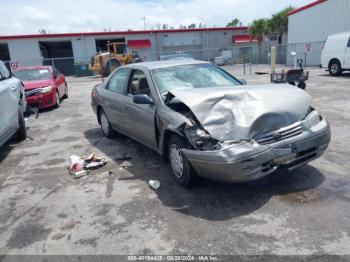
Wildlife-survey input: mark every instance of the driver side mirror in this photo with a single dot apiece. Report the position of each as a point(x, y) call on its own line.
point(142, 99)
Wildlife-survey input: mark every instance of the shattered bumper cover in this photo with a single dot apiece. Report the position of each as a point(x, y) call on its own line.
point(247, 161)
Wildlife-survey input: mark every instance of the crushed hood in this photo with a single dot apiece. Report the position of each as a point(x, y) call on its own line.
point(243, 112)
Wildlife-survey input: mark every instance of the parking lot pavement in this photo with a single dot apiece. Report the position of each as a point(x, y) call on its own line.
point(44, 211)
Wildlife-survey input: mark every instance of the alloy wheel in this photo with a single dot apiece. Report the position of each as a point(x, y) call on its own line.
point(104, 123)
point(176, 160)
point(334, 68)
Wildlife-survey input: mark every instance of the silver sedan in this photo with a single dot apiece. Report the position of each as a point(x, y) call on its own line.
point(206, 123)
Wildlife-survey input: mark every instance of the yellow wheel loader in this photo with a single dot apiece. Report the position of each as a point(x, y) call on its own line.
point(106, 62)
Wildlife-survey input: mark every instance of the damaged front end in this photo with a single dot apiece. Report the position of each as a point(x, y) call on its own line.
point(239, 138)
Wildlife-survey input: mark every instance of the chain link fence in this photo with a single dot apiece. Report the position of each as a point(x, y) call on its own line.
point(250, 54)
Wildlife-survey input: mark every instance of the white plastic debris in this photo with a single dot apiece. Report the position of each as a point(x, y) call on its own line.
point(155, 184)
point(80, 173)
point(79, 166)
point(75, 164)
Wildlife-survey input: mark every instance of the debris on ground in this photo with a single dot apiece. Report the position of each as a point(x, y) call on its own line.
point(125, 164)
point(79, 166)
point(155, 184)
point(107, 173)
point(80, 173)
point(75, 163)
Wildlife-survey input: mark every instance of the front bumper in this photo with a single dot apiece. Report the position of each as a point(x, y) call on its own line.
point(42, 101)
point(247, 161)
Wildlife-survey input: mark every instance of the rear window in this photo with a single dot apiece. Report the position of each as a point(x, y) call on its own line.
point(349, 43)
point(33, 74)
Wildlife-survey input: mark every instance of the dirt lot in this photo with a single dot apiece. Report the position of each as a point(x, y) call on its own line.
point(44, 211)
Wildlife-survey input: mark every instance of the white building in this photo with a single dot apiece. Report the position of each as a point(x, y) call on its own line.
point(309, 26)
point(65, 50)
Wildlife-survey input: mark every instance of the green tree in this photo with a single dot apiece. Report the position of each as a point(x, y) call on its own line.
point(234, 22)
point(278, 23)
point(258, 29)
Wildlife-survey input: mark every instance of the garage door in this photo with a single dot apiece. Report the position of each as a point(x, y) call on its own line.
point(58, 54)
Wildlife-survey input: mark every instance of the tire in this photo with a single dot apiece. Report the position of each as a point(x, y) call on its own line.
point(106, 127)
point(114, 64)
point(335, 68)
point(65, 92)
point(181, 169)
point(58, 101)
point(22, 131)
point(302, 85)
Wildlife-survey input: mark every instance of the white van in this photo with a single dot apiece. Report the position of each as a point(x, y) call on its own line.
point(336, 53)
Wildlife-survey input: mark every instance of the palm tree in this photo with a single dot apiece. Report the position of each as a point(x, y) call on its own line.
point(258, 29)
point(279, 23)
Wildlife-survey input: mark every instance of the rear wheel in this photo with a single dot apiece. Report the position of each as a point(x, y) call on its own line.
point(181, 169)
point(335, 68)
point(22, 132)
point(106, 127)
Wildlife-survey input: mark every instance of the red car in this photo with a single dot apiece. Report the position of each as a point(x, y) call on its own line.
point(44, 86)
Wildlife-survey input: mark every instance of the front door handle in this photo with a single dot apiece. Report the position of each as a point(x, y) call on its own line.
point(14, 88)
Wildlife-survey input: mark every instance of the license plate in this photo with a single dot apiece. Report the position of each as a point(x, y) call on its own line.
point(283, 156)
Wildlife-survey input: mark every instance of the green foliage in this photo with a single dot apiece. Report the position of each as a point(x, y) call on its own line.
point(258, 29)
point(278, 23)
point(234, 22)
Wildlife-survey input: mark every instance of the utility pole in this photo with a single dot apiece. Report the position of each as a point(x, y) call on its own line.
point(144, 21)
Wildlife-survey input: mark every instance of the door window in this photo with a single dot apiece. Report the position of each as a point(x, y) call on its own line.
point(118, 81)
point(138, 83)
point(349, 43)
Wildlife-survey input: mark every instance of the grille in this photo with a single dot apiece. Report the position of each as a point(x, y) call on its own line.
point(281, 134)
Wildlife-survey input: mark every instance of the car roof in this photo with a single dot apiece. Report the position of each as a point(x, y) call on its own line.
point(162, 64)
point(33, 68)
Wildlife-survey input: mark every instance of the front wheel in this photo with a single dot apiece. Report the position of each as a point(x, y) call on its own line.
point(22, 131)
point(58, 100)
point(181, 169)
point(65, 91)
point(106, 127)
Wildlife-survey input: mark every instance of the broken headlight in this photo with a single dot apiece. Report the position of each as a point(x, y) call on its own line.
point(199, 138)
point(313, 118)
point(46, 89)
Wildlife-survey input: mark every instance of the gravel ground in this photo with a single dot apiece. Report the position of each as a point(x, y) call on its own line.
point(43, 210)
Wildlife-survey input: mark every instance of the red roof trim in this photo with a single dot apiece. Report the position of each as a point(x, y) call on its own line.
point(122, 33)
point(146, 43)
point(306, 7)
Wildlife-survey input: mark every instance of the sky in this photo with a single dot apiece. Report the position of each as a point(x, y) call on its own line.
point(62, 16)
